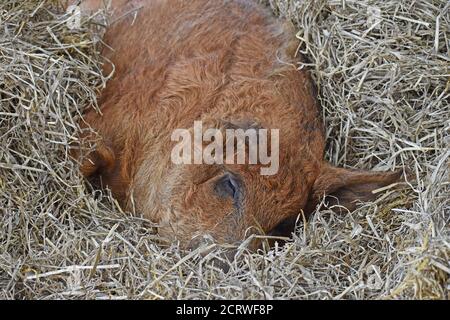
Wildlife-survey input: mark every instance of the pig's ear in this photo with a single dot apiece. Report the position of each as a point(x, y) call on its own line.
point(101, 160)
point(347, 187)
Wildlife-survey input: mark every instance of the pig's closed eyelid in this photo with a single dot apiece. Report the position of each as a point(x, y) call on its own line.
point(228, 186)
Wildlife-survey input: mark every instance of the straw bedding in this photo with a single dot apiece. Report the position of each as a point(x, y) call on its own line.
point(382, 70)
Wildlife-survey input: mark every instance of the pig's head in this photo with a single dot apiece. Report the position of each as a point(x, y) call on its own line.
point(229, 201)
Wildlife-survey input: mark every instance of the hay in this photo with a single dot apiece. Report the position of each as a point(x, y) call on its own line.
point(382, 71)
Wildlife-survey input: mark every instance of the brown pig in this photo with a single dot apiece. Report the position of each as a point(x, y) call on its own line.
point(228, 64)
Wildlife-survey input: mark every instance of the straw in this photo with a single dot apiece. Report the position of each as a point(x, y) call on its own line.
point(382, 73)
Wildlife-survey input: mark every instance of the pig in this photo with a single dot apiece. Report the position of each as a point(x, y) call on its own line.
point(228, 64)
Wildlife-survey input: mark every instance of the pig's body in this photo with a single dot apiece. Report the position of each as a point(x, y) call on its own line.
point(227, 64)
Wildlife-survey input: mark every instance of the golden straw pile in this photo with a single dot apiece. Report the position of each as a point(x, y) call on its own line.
point(382, 69)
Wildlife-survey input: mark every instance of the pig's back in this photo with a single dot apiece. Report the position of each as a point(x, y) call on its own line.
point(174, 45)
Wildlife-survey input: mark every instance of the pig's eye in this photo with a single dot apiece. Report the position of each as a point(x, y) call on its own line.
point(228, 186)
